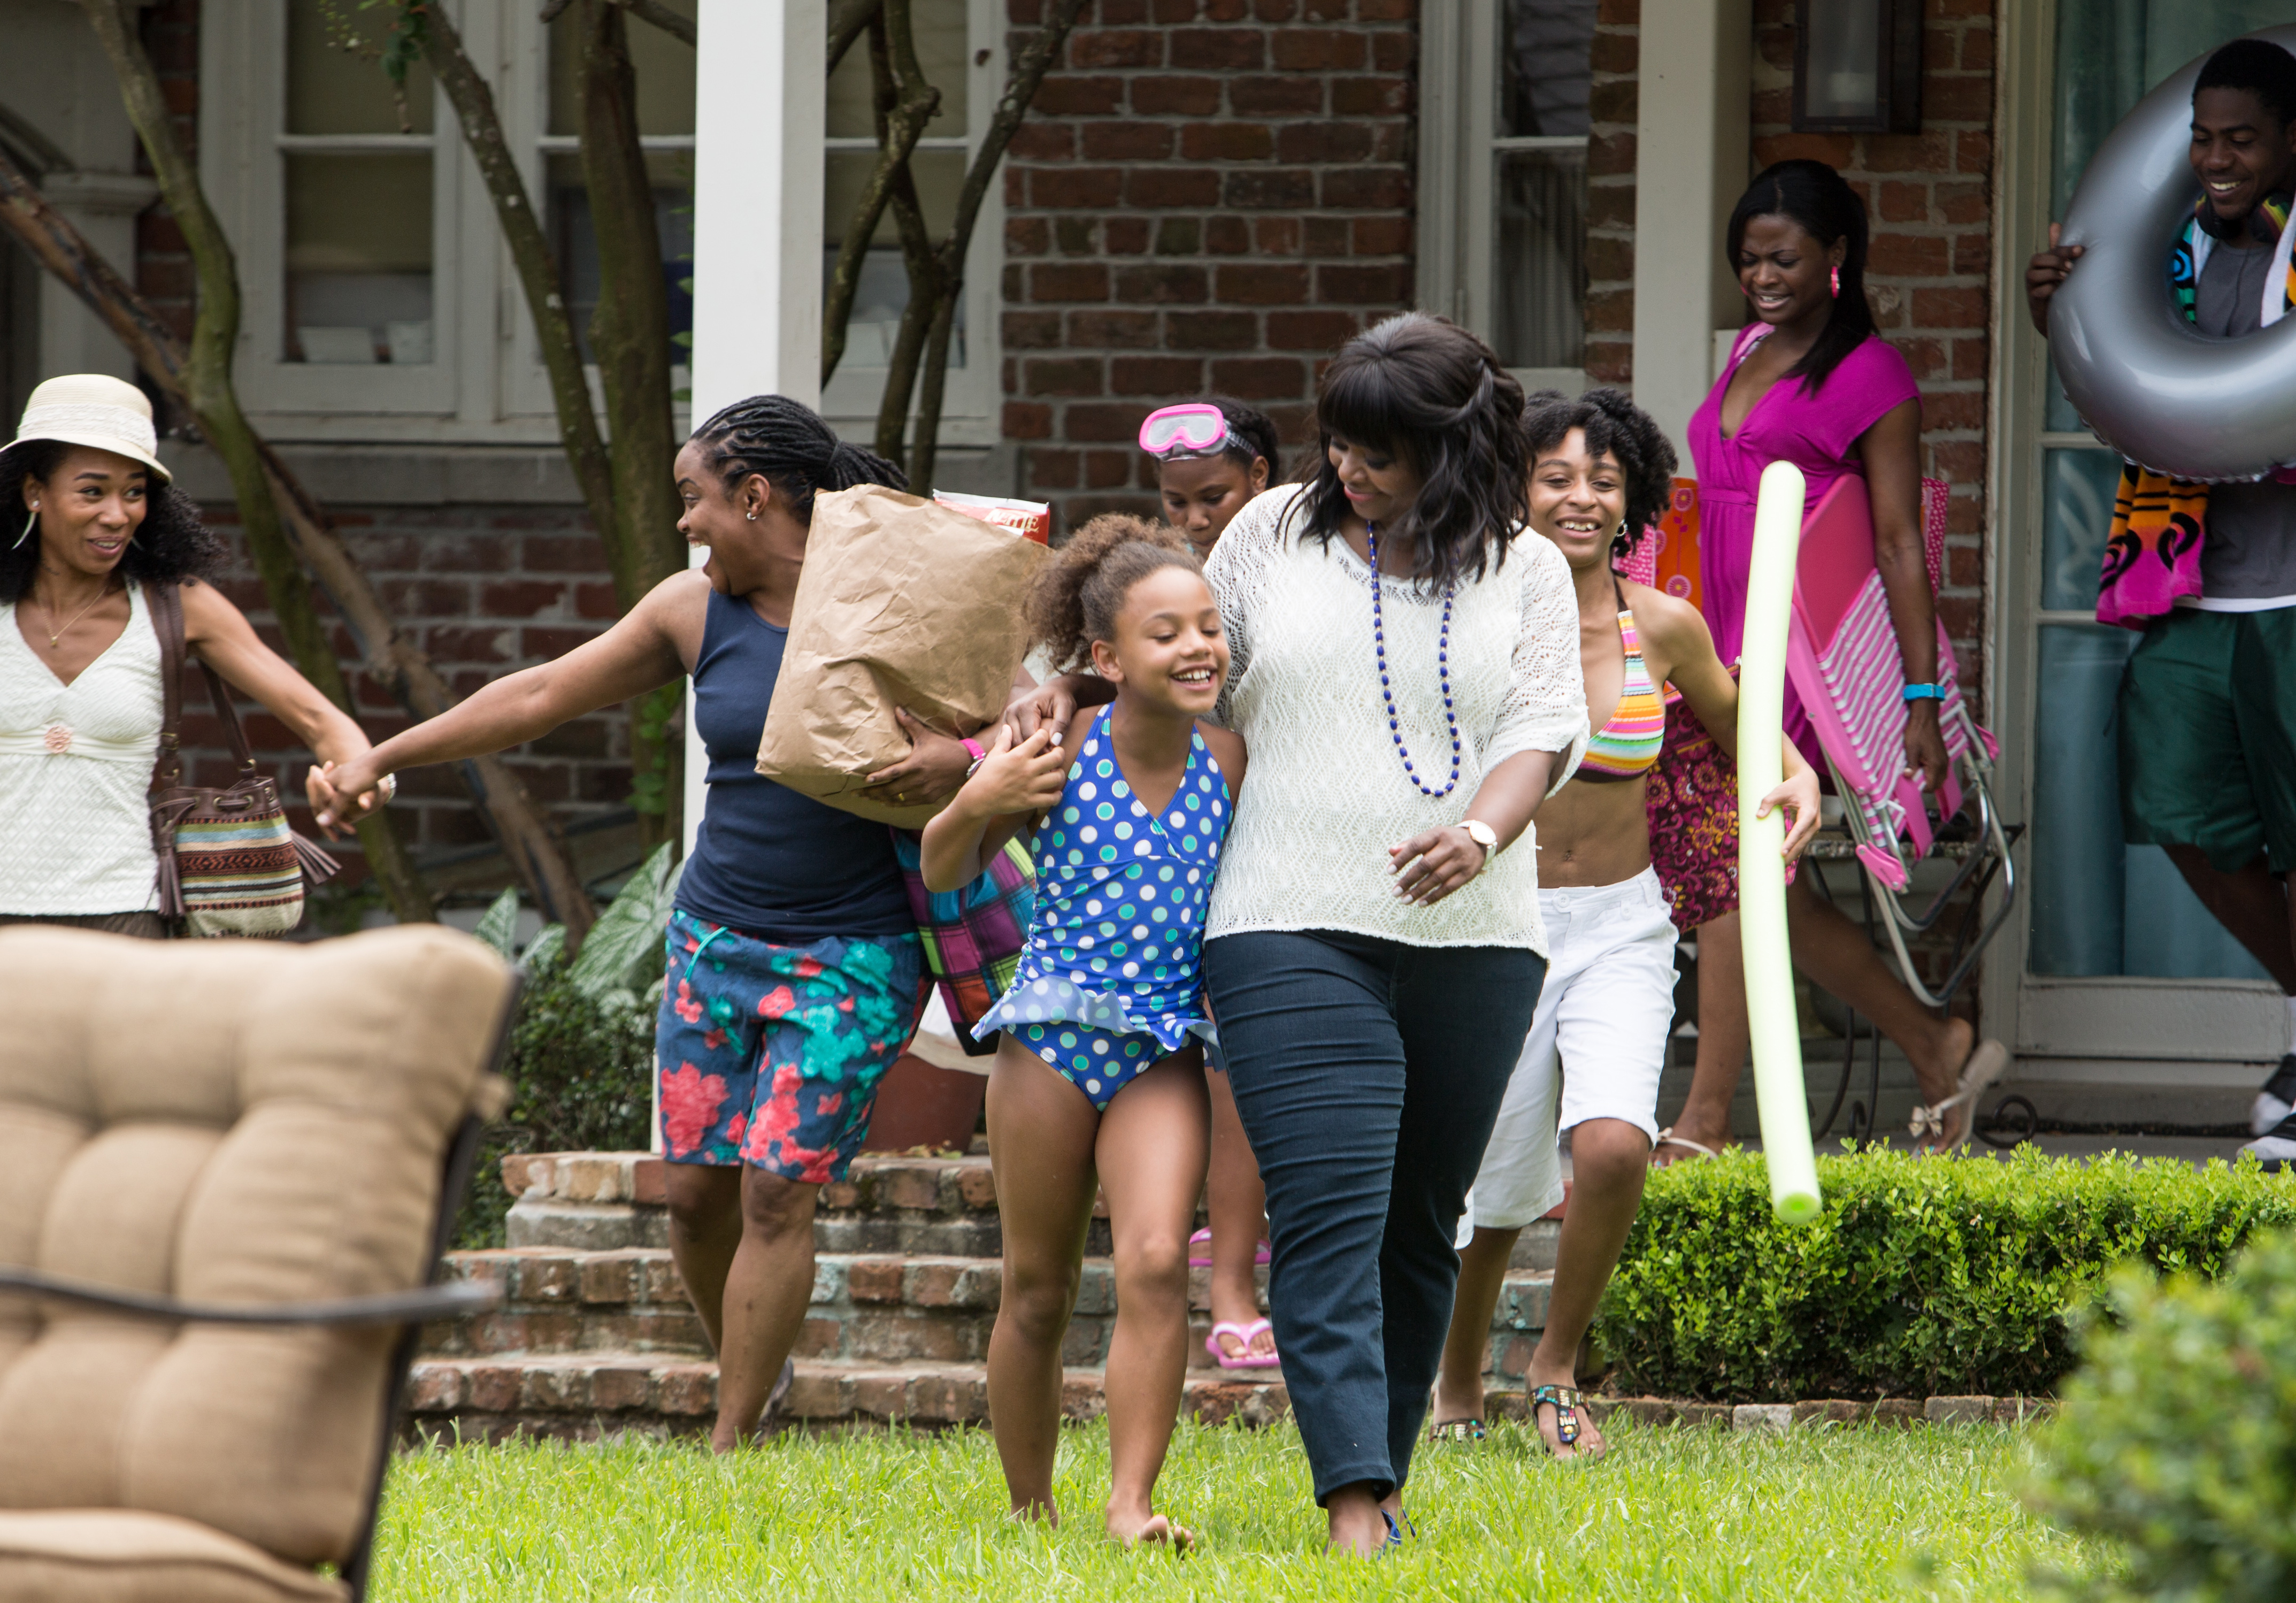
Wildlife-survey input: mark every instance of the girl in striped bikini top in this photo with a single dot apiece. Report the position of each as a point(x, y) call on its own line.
point(1627, 744)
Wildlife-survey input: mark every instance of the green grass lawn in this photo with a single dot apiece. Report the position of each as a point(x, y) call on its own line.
point(1671, 1513)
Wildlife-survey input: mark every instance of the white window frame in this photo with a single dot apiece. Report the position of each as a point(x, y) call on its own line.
point(486, 384)
point(1459, 68)
point(972, 400)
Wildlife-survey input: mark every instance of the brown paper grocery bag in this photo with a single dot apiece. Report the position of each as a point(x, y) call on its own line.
point(900, 603)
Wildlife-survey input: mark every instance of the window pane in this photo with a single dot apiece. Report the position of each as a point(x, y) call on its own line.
point(664, 66)
point(1845, 45)
point(1538, 284)
point(1544, 81)
point(335, 83)
point(940, 29)
point(574, 240)
point(2077, 515)
point(358, 258)
point(884, 293)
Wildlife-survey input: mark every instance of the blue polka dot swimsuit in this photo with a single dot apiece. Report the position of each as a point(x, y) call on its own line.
point(1112, 979)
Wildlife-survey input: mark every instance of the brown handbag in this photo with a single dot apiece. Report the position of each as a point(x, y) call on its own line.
point(228, 863)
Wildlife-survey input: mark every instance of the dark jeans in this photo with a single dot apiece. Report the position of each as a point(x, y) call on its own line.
point(1368, 1075)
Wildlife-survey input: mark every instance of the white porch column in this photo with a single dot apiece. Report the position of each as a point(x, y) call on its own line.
point(1691, 165)
point(759, 89)
point(102, 206)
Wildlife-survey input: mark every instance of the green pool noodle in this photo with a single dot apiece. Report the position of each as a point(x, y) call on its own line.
point(1779, 1092)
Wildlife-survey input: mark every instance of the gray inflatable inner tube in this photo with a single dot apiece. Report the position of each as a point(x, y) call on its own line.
point(2149, 384)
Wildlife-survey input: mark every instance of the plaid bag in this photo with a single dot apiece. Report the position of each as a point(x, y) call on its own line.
point(228, 863)
point(973, 937)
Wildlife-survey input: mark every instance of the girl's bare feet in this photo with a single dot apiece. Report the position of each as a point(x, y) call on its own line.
point(1134, 1526)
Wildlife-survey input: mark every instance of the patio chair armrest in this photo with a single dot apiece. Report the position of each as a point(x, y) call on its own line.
point(449, 1300)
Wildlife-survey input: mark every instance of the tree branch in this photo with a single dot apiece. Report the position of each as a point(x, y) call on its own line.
point(663, 18)
point(903, 104)
point(846, 26)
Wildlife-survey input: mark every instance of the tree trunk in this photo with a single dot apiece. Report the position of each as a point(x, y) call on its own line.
point(206, 379)
point(629, 340)
point(388, 653)
point(903, 103)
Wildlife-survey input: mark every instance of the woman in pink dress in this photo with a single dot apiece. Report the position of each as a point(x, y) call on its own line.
point(1815, 385)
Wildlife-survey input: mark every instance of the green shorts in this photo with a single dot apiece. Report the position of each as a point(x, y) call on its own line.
point(2208, 736)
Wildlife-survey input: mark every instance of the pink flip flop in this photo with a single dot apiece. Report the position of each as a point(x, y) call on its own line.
point(1203, 1238)
point(1244, 1335)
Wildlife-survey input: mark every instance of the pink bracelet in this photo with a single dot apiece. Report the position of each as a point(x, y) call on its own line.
point(980, 756)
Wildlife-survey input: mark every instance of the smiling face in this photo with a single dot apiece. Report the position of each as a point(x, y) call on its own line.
point(1380, 485)
point(1785, 273)
point(2241, 152)
point(1577, 501)
point(90, 508)
point(746, 529)
point(1169, 651)
point(1202, 493)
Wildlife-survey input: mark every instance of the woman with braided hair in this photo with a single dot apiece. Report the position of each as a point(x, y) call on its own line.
point(795, 973)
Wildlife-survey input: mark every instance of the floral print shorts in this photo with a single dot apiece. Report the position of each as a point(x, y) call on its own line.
point(770, 1055)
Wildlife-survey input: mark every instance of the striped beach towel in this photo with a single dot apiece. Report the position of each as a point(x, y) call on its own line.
point(973, 937)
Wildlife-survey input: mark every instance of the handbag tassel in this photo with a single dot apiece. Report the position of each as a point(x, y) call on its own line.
point(318, 867)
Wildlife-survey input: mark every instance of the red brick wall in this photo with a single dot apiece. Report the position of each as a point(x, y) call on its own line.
point(1930, 198)
point(486, 591)
point(1209, 195)
point(1615, 104)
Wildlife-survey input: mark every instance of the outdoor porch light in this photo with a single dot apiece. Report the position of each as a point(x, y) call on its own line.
point(1858, 66)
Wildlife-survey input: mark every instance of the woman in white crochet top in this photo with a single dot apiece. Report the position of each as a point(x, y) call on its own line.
point(1373, 951)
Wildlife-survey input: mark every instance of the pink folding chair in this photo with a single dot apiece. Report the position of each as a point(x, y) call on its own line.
point(1841, 654)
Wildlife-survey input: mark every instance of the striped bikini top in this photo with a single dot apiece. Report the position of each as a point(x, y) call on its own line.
point(1627, 746)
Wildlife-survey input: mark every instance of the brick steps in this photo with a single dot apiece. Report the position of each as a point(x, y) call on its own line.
point(878, 1308)
point(594, 1332)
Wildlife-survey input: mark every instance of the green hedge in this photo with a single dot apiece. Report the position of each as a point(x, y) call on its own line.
point(2178, 1437)
point(1954, 1275)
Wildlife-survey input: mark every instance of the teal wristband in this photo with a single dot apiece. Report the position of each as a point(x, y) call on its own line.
point(1924, 693)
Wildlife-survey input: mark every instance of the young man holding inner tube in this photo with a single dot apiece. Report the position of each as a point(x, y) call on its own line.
point(2207, 702)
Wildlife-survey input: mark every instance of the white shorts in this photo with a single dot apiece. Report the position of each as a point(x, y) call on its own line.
point(1604, 1010)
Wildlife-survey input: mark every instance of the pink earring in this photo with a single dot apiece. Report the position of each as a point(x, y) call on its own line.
point(1837, 283)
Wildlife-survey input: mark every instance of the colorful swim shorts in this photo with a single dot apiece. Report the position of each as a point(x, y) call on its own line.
point(770, 1055)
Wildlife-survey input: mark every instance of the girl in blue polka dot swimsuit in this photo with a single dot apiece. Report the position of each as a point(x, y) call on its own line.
point(1098, 1084)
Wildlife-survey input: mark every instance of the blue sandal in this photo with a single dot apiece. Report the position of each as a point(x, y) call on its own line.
point(1566, 1402)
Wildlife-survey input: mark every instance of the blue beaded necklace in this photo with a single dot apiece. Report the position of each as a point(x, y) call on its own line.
point(1442, 669)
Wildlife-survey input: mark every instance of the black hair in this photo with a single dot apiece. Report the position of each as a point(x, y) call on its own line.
point(2262, 67)
point(1617, 428)
point(788, 443)
point(172, 544)
point(1439, 399)
point(1250, 435)
point(1075, 597)
point(1815, 197)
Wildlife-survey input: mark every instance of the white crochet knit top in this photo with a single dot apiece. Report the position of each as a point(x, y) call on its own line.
point(1326, 794)
point(75, 762)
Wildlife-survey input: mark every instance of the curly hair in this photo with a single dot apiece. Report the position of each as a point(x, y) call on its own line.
point(1439, 400)
point(172, 544)
point(1616, 428)
point(1078, 594)
point(787, 442)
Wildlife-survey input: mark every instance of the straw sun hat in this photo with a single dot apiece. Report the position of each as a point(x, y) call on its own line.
point(93, 410)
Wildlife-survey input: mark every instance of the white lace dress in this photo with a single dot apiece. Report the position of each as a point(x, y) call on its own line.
point(75, 764)
point(1327, 794)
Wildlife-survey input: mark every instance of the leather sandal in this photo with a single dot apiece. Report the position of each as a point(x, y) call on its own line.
point(1986, 1063)
point(1458, 1430)
point(1667, 1138)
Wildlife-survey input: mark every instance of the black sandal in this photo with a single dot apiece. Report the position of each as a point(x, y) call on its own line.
point(1458, 1430)
point(1566, 1402)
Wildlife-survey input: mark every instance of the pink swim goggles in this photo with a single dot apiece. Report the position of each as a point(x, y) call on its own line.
point(1192, 429)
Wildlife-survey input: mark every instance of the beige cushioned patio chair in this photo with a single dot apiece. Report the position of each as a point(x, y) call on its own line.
point(227, 1171)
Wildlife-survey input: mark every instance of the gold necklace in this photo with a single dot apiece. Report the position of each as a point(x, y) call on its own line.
point(76, 617)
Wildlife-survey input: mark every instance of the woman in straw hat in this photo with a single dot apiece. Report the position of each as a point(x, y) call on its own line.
point(80, 694)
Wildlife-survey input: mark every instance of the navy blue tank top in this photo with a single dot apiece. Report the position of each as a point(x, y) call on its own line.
point(766, 861)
